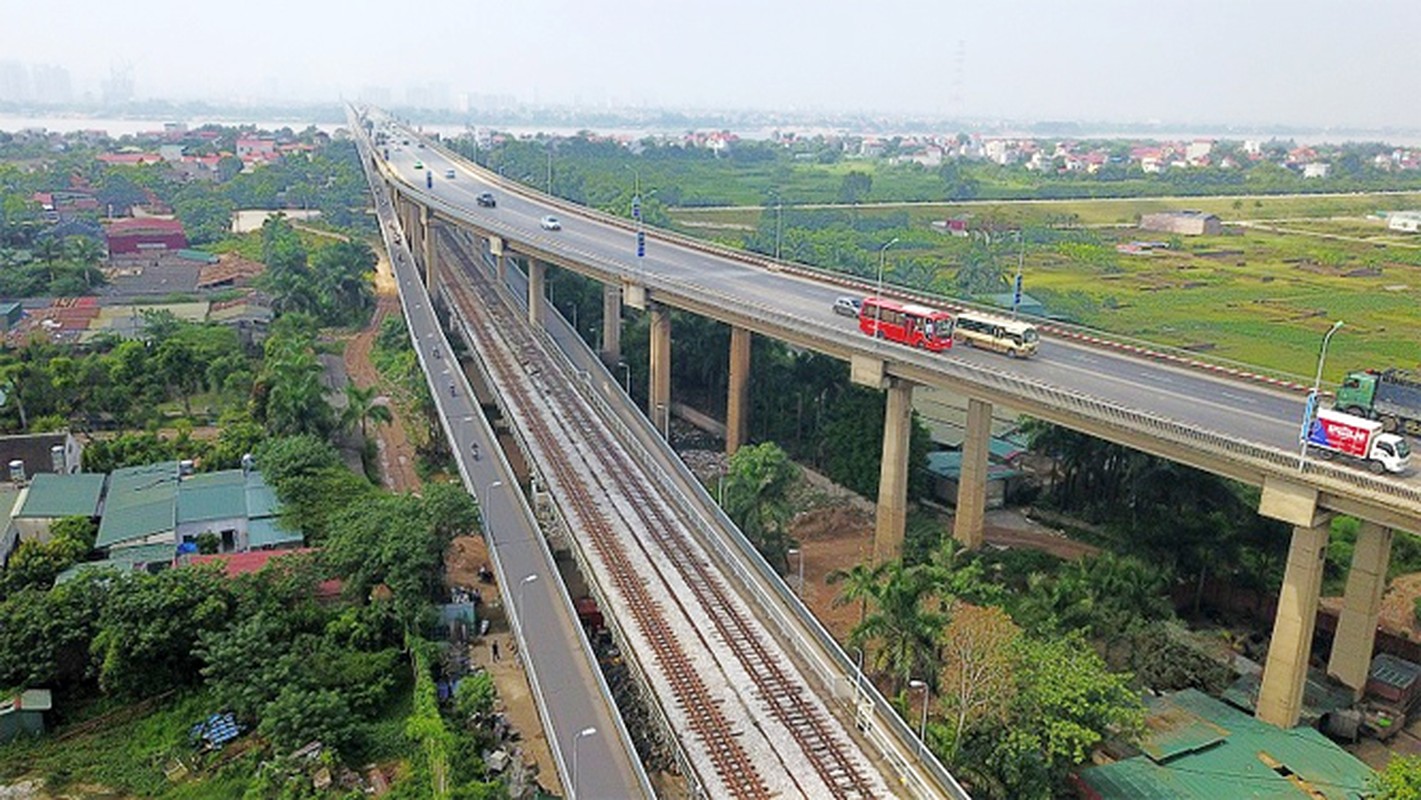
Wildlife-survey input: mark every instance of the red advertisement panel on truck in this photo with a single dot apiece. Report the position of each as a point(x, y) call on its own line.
point(1342, 433)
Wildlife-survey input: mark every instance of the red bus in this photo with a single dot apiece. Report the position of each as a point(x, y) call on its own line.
point(909, 323)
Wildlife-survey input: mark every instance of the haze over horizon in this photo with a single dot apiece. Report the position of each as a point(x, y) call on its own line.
point(1268, 62)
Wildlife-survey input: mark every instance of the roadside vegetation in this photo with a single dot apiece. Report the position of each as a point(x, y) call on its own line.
point(1262, 295)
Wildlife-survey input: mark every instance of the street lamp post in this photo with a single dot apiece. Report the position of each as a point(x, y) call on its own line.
point(518, 605)
point(1020, 263)
point(858, 677)
point(878, 293)
point(922, 728)
point(779, 207)
point(665, 414)
point(636, 211)
point(585, 732)
point(799, 587)
point(487, 501)
point(626, 376)
point(550, 167)
point(1310, 410)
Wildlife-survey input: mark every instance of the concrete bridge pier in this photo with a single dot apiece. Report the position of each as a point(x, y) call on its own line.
point(737, 407)
point(500, 261)
point(1351, 658)
point(611, 324)
point(968, 520)
point(427, 232)
point(892, 518)
point(536, 275)
point(658, 406)
point(1280, 697)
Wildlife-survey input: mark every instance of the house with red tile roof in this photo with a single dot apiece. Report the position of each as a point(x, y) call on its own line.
point(146, 234)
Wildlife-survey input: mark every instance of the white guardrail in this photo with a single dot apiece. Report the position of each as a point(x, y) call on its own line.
point(1363, 487)
point(1367, 489)
point(389, 225)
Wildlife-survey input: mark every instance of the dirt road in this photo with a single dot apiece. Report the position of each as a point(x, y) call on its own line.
point(396, 453)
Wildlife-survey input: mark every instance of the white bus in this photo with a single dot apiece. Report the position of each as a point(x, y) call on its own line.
point(1015, 338)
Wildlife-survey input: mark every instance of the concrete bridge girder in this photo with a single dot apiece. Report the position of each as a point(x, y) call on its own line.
point(1307, 502)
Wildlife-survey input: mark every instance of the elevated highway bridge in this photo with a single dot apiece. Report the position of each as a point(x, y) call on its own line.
point(1232, 425)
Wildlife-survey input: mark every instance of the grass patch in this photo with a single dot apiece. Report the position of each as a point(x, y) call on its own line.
point(126, 757)
point(1262, 297)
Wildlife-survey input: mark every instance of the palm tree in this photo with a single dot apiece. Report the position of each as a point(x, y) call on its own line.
point(362, 406)
point(860, 582)
point(910, 608)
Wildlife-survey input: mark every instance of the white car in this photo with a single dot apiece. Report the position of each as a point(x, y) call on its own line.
point(848, 306)
point(449, 173)
point(550, 223)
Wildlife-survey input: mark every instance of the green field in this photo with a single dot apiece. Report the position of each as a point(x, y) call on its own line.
point(1263, 296)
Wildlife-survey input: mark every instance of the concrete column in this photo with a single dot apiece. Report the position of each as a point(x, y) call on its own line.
point(972, 482)
point(892, 516)
point(737, 406)
point(611, 323)
point(1351, 657)
point(500, 261)
point(658, 406)
point(1280, 698)
point(427, 230)
point(535, 292)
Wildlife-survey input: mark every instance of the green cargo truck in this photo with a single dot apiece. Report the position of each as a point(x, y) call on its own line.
point(1392, 396)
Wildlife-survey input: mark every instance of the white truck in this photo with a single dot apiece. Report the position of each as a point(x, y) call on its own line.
point(1333, 433)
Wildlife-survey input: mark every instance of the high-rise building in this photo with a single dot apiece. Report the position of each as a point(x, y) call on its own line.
point(51, 85)
point(14, 82)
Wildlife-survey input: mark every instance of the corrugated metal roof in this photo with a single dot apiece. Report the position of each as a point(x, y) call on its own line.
point(1393, 671)
point(948, 464)
point(1254, 759)
point(212, 495)
point(267, 532)
point(52, 496)
point(141, 501)
point(8, 494)
point(261, 498)
point(123, 559)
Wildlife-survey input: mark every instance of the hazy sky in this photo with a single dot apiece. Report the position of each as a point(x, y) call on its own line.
point(1302, 62)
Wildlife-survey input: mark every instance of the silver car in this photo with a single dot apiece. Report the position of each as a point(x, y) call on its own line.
point(550, 223)
point(848, 306)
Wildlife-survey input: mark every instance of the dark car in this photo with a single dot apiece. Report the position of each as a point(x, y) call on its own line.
point(486, 200)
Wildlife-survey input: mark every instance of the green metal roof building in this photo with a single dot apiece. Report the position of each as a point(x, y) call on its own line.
point(141, 506)
point(155, 504)
point(51, 495)
point(1199, 748)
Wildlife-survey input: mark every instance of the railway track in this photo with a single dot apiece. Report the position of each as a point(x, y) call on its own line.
point(603, 493)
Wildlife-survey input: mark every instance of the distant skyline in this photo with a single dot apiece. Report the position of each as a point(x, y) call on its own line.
point(1212, 62)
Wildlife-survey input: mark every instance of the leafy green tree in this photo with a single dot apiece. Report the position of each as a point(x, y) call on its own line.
point(79, 529)
point(475, 696)
point(288, 457)
point(1066, 703)
point(45, 636)
point(450, 511)
point(757, 498)
point(35, 564)
point(853, 444)
point(1400, 780)
point(855, 187)
point(150, 624)
point(298, 716)
point(388, 540)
